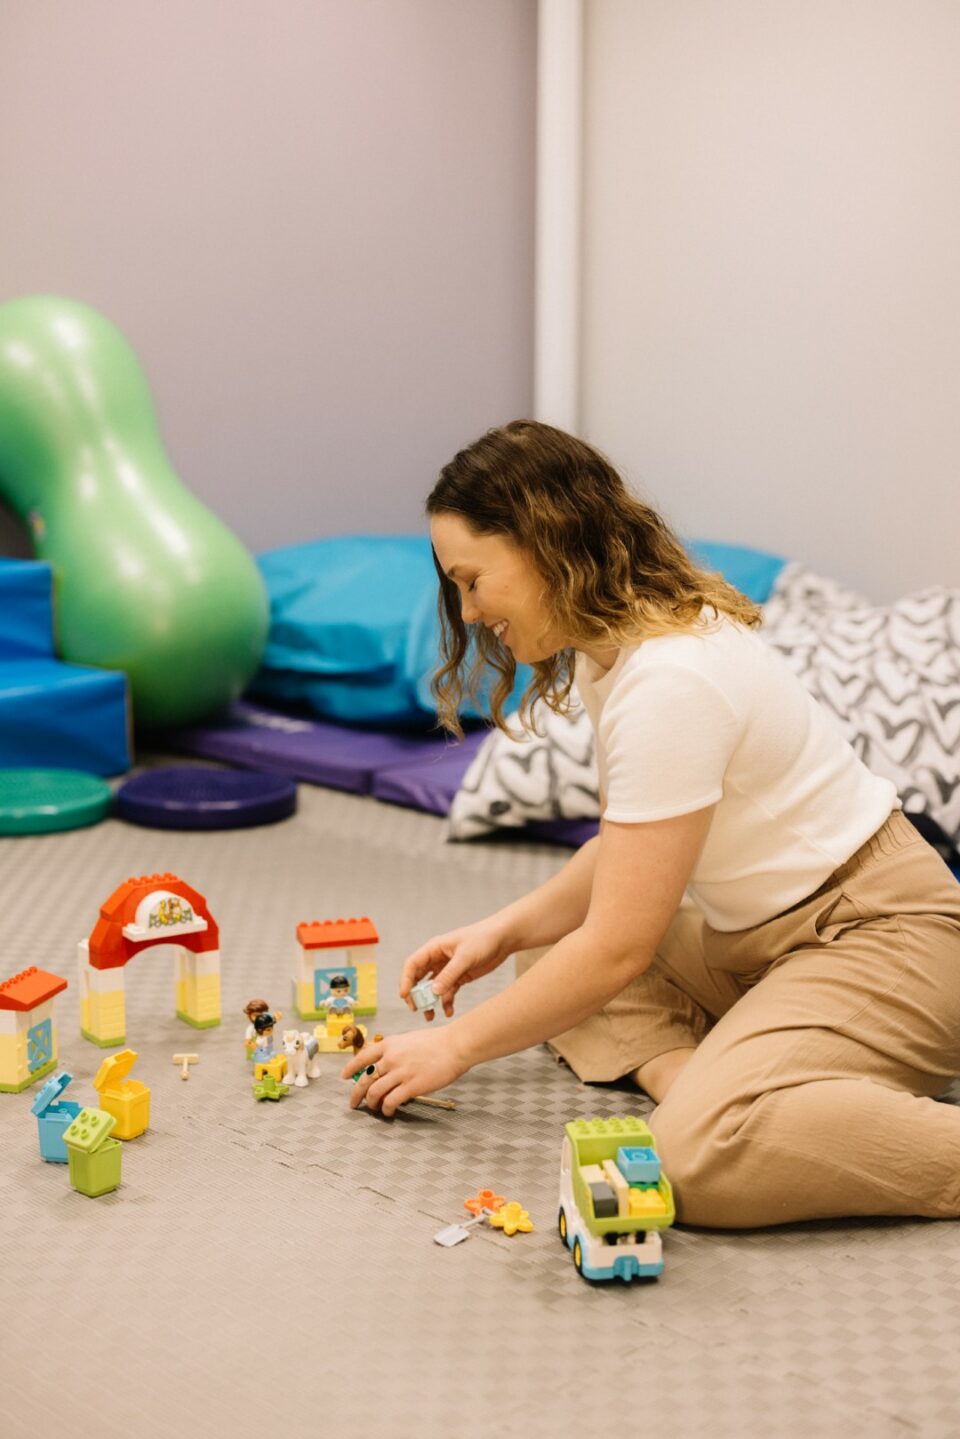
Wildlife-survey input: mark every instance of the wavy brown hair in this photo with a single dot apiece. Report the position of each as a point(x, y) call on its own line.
point(612, 568)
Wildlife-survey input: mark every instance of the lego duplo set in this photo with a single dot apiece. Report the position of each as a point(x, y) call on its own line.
point(87, 1139)
point(335, 980)
point(28, 1029)
point(614, 1198)
point(335, 968)
point(141, 914)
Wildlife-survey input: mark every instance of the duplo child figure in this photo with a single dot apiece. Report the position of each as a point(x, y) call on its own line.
point(264, 1046)
point(339, 1000)
point(757, 936)
point(251, 1009)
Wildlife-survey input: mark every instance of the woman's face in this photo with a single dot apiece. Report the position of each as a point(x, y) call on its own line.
point(499, 586)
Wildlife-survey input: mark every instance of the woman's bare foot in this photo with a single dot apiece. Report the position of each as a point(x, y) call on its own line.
point(657, 1075)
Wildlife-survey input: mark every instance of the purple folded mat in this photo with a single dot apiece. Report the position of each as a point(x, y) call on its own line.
point(562, 831)
point(418, 771)
point(318, 751)
point(431, 782)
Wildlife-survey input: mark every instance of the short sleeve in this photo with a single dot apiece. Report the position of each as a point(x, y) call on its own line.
point(667, 734)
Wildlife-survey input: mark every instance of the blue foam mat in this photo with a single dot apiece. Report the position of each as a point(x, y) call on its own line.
point(63, 716)
point(26, 609)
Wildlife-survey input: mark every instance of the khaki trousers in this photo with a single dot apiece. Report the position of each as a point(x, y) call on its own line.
point(822, 1037)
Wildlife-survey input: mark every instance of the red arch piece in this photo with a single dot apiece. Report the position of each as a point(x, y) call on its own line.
point(110, 948)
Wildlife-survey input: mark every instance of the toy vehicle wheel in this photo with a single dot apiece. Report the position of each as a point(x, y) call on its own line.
point(562, 1224)
point(577, 1256)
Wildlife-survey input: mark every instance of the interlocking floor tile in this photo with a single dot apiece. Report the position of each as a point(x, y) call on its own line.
point(272, 1266)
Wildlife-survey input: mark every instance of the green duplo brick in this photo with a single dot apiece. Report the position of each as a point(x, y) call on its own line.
point(93, 1157)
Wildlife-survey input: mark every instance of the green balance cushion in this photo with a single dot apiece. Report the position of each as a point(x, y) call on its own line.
point(39, 801)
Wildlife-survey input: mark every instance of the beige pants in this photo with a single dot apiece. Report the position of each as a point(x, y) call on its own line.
point(822, 1037)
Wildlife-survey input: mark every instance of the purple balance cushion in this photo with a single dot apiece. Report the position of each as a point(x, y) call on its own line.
point(194, 797)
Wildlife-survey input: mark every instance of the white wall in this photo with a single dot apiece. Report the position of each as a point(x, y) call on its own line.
point(771, 304)
point(313, 220)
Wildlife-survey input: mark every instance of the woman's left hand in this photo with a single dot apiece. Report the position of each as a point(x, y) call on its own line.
point(406, 1066)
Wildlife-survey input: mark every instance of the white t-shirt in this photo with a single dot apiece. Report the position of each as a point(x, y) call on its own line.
point(716, 717)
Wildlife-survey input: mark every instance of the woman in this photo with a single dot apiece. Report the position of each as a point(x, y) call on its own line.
point(795, 1017)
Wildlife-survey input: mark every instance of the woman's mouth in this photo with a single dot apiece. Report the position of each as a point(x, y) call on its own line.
point(499, 629)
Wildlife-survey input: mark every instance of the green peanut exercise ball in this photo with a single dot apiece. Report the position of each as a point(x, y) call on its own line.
point(146, 579)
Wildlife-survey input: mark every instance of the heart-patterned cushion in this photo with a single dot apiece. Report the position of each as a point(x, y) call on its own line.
point(889, 673)
point(520, 777)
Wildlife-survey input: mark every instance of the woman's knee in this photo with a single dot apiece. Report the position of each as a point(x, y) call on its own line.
point(698, 1167)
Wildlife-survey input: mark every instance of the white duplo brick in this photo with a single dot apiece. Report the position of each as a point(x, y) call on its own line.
point(207, 963)
point(105, 981)
point(40, 1013)
point(303, 966)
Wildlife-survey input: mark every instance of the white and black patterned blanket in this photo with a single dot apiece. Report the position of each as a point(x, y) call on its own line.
point(889, 674)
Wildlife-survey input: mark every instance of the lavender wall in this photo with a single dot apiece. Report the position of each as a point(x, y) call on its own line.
point(771, 303)
point(313, 219)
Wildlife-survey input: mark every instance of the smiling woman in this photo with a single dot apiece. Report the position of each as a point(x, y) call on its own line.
point(534, 527)
point(498, 587)
point(806, 998)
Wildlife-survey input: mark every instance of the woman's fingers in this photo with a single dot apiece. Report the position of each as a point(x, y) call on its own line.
point(361, 1086)
point(383, 1092)
point(427, 960)
point(369, 1054)
point(375, 1087)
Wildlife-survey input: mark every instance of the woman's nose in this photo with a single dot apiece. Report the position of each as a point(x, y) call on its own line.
point(469, 612)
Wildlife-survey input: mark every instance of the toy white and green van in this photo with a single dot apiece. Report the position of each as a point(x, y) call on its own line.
point(614, 1199)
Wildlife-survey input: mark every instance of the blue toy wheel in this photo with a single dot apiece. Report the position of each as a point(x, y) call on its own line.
point(194, 797)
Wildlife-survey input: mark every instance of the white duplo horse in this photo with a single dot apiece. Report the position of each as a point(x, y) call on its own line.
point(301, 1051)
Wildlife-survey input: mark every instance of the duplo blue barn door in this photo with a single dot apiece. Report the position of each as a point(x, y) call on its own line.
point(40, 1045)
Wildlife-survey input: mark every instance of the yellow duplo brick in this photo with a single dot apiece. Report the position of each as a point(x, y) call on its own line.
point(208, 989)
point(109, 1008)
point(205, 999)
point(277, 1067)
point(106, 1027)
point(645, 1203)
point(304, 998)
point(366, 985)
point(13, 1052)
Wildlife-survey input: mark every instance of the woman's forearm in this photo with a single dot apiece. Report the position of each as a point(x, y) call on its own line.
point(556, 907)
point(567, 985)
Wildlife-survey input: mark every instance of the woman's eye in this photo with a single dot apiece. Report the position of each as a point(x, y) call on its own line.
point(471, 587)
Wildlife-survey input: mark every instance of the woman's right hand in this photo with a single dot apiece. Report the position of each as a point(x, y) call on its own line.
point(453, 959)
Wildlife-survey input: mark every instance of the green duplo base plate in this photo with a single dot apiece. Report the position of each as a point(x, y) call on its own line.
point(39, 801)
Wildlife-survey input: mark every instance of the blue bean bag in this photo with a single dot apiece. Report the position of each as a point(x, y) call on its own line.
point(354, 633)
